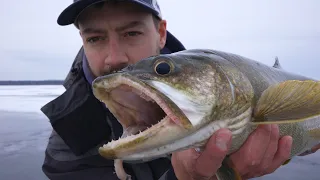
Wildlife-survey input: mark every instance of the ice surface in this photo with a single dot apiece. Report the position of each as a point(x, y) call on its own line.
point(27, 98)
point(24, 130)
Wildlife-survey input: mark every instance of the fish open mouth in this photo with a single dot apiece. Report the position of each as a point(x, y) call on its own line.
point(143, 112)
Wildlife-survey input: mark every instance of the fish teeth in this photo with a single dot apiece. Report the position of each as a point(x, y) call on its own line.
point(114, 144)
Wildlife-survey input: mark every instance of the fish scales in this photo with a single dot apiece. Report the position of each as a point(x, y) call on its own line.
point(185, 97)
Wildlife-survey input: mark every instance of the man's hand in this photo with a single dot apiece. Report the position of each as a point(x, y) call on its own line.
point(191, 165)
point(262, 153)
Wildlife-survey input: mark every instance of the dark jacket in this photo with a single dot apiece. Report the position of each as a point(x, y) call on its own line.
point(81, 124)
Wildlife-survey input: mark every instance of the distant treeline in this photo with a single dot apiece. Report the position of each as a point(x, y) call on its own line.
point(39, 82)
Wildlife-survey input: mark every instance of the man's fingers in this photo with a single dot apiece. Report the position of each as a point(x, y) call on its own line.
point(283, 153)
point(269, 154)
point(253, 150)
point(271, 149)
point(182, 163)
point(189, 164)
point(211, 158)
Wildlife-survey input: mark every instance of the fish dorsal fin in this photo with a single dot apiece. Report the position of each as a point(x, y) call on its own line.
point(277, 63)
point(287, 102)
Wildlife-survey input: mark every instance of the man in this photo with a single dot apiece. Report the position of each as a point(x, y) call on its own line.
point(115, 34)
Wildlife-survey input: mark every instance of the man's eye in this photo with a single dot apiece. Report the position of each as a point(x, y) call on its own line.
point(94, 39)
point(133, 33)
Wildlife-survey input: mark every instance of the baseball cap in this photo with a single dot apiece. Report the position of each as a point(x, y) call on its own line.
point(71, 13)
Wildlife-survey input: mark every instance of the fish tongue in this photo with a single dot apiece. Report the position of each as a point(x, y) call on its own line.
point(133, 130)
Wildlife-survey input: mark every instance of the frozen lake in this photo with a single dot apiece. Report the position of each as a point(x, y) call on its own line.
point(24, 131)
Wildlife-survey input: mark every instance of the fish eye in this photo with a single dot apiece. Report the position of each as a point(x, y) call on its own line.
point(162, 68)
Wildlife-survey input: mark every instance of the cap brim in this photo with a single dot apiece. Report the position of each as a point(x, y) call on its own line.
point(71, 13)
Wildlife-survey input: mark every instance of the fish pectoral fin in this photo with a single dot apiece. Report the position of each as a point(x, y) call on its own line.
point(288, 102)
point(227, 171)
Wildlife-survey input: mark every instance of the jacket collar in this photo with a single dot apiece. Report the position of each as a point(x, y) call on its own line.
point(75, 70)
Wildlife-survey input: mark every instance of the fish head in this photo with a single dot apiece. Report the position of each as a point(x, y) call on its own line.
point(164, 98)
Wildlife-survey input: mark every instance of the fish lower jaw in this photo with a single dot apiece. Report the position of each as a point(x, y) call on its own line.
point(158, 134)
point(190, 139)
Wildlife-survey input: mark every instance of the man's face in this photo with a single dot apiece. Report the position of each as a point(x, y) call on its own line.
point(115, 35)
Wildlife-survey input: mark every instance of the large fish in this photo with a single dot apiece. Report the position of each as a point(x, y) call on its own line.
point(171, 102)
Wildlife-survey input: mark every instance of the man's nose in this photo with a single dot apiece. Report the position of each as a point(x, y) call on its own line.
point(116, 55)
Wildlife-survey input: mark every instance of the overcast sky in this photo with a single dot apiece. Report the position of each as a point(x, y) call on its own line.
point(33, 46)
